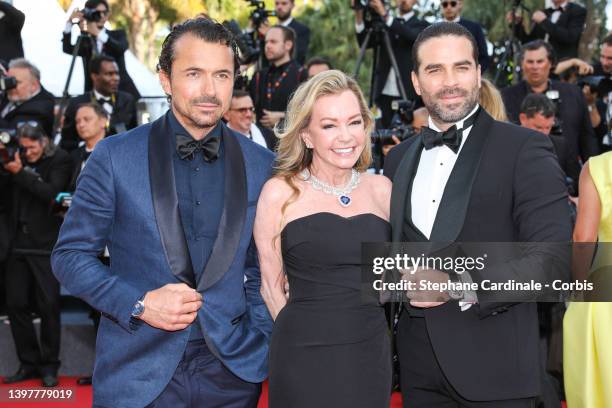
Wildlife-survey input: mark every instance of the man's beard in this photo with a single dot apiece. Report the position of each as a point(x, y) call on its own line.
point(445, 115)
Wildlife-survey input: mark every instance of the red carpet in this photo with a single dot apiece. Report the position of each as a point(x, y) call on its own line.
point(82, 395)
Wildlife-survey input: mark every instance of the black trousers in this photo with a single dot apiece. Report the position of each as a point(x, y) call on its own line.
point(28, 275)
point(423, 382)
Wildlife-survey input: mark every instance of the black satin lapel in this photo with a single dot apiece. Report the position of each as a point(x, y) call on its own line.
point(458, 190)
point(402, 188)
point(233, 216)
point(165, 202)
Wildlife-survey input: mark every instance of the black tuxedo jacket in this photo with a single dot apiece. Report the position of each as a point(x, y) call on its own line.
point(33, 194)
point(576, 123)
point(302, 41)
point(77, 157)
point(402, 34)
point(476, 30)
point(269, 137)
point(116, 46)
point(124, 113)
point(39, 108)
point(506, 186)
point(11, 24)
point(563, 36)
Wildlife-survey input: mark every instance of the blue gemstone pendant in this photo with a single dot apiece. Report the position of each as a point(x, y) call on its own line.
point(345, 200)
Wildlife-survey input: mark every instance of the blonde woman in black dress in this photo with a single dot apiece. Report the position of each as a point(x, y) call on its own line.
point(330, 344)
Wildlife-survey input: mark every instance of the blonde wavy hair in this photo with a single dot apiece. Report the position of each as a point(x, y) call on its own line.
point(491, 101)
point(292, 155)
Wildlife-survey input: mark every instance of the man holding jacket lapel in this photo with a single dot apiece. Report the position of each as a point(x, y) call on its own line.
point(469, 178)
point(174, 201)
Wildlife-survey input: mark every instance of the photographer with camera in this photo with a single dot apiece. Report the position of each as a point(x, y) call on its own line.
point(571, 118)
point(25, 99)
point(403, 31)
point(37, 172)
point(98, 40)
point(120, 106)
point(11, 23)
point(597, 90)
point(560, 25)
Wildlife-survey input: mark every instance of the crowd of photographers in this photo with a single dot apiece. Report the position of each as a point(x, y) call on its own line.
point(42, 152)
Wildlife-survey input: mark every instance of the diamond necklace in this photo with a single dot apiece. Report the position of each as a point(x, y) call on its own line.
point(341, 192)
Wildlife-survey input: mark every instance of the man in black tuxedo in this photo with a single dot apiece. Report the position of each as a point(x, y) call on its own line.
point(240, 117)
point(99, 41)
point(536, 60)
point(538, 113)
point(29, 101)
point(90, 124)
point(11, 23)
point(120, 106)
point(403, 31)
point(561, 26)
point(469, 178)
point(271, 87)
point(283, 10)
point(36, 177)
point(451, 11)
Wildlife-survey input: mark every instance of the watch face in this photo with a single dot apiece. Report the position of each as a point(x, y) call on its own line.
point(138, 309)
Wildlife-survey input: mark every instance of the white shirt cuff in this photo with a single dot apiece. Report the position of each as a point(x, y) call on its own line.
point(359, 27)
point(389, 20)
point(68, 28)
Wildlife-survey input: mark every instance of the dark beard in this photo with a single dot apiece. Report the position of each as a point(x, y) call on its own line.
point(444, 115)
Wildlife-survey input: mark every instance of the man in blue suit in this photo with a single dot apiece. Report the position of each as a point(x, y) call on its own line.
point(183, 322)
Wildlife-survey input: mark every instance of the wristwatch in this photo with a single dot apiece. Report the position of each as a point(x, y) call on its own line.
point(139, 308)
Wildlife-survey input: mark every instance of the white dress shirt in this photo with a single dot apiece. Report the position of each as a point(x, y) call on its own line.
point(108, 106)
point(435, 167)
point(433, 172)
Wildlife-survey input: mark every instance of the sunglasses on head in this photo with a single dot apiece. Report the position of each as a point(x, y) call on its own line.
point(446, 4)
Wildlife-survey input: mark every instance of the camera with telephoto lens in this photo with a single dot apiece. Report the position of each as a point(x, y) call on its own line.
point(7, 82)
point(599, 84)
point(369, 15)
point(249, 49)
point(10, 145)
point(401, 124)
point(92, 15)
point(553, 95)
point(259, 14)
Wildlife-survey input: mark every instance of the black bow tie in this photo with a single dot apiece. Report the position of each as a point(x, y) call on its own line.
point(102, 101)
point(187, 147)
point(451, 138)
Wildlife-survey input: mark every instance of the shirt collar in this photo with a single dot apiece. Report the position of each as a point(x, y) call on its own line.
point(407, 16)
point(99, 96)
point(287, 22)
point(562, 5)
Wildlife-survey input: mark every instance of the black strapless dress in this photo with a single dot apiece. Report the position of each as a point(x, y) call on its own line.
point(330, 345)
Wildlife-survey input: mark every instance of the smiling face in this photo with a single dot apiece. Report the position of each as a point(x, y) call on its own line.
point(201, 83)
point(448, 78)
point(336, 132)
